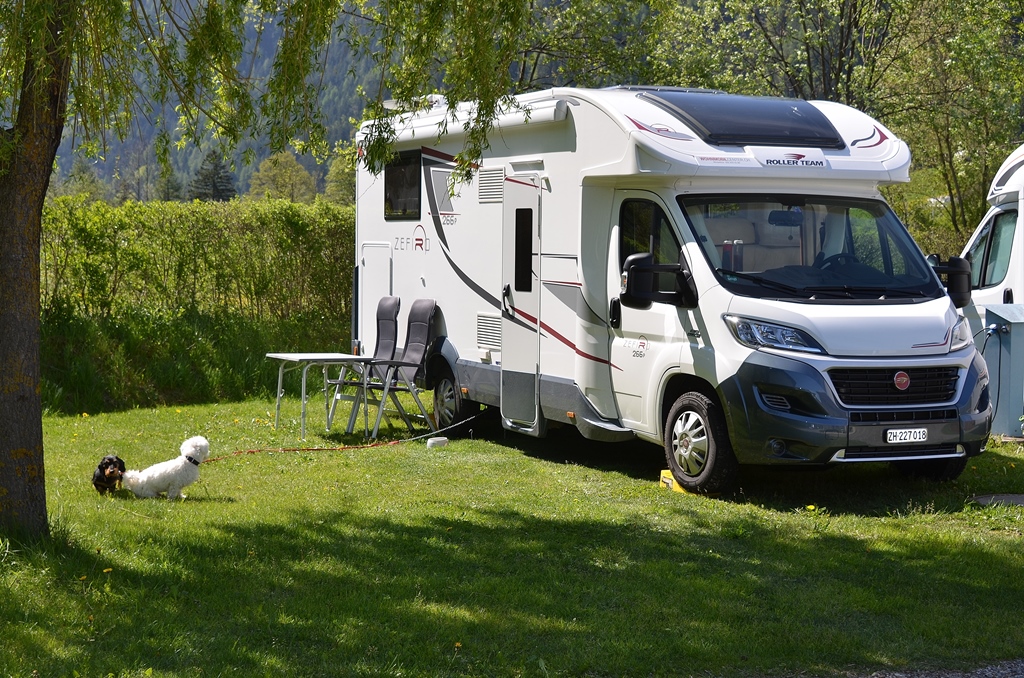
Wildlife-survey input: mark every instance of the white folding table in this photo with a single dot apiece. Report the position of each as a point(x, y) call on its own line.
point(293, 361)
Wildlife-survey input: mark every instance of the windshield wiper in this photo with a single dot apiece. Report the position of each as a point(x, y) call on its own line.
point(805, 292)
point(880, 292)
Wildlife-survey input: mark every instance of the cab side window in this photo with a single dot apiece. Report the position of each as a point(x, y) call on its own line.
point(990, 253)
point(644, 227)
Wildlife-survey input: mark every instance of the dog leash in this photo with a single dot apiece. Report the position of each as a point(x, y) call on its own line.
point(264, 450)
point(261, 450)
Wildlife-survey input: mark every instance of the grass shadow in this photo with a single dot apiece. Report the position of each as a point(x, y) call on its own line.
point(503, 593)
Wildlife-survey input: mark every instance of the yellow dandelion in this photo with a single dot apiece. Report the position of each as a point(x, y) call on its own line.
point(82, 578)
point(812, 507)
point(108, 570)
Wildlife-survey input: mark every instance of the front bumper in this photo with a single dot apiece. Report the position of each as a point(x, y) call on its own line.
point(785, 411)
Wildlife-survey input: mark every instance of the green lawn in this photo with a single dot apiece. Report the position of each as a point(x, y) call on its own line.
point(497, 556)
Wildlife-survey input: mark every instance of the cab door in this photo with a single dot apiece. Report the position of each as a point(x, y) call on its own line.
point(646, 342)
point(520, 305)
point(997, 276)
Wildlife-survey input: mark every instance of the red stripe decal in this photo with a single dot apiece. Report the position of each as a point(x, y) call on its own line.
point(521, 183)
point(547, 328)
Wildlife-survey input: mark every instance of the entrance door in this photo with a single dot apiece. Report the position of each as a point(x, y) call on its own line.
point(375, 281)
point(520, 305)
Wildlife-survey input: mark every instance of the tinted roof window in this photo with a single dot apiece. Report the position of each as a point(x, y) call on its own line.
point(733, 120)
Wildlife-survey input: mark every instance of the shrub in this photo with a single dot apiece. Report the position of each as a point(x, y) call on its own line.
point(152, 303)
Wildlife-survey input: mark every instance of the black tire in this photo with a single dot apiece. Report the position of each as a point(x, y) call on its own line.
point(697, 446)
point(938, 470)
point(450, 408)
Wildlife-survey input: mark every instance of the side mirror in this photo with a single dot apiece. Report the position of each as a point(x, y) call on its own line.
point(639, 283)
point(958, 279)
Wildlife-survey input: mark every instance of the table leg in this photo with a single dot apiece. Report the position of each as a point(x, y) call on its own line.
point(280, 392)
point(366, 404)
point(305, 371)
point(327, 404)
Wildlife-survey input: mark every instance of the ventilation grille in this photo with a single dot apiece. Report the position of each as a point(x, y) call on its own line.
point(902, 416)
point(488, 332)
point(491, 184)
point(775, 401)
point(876, 386)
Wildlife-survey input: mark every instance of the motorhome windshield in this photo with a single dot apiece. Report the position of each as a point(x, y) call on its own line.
point(809, 248)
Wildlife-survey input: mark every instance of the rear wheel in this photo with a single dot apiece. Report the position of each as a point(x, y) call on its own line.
point(450, 408)
point(697, 445)
point(932, 469)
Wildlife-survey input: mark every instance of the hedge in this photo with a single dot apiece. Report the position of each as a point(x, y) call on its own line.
point(165, 302)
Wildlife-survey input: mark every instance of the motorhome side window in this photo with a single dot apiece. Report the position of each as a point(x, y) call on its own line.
point(990, 253)
point(644, 227)
point(402, 187)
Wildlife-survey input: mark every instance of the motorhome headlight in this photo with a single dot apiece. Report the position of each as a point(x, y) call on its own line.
point(761, 334)
point(961, 335)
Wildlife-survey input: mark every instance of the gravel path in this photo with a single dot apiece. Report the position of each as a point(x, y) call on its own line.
point(1012, 669)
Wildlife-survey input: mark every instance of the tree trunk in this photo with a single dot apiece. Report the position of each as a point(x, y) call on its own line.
point(27, 152)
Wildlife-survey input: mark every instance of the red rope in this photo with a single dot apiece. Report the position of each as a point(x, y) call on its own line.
point(343, 447)
point(303, 449)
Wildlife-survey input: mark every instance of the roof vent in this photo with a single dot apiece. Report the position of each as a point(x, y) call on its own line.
point(735, 120)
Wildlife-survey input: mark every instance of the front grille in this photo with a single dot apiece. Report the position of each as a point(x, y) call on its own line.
point(875, 387)
point(901, 416)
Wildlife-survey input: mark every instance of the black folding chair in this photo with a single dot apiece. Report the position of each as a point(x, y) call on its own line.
point(358, 377)
point(404, 374)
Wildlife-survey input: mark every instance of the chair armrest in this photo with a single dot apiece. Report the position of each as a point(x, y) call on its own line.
point(394, 366)
point(393, 363)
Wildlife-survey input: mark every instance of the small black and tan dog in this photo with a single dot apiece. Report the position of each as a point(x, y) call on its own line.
point(107, 476)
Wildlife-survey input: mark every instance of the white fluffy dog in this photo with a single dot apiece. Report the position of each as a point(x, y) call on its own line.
point(170, 476)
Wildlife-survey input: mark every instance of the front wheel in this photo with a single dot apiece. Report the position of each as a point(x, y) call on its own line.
point(450, 408)
point(697, 445)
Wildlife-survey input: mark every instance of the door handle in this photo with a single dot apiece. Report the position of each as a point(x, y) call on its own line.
point(615, 313)
point(506, 296)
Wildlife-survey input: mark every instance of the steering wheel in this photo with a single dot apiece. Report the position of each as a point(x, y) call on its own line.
point(828, 261)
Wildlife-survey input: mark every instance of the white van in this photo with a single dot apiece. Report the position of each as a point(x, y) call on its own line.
point(996, 249)
point(716, 274)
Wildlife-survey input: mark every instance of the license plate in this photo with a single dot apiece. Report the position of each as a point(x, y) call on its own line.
point(906, 435)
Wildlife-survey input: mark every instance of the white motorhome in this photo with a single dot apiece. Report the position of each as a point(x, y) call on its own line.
point(996, 249)
point(713, 273)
